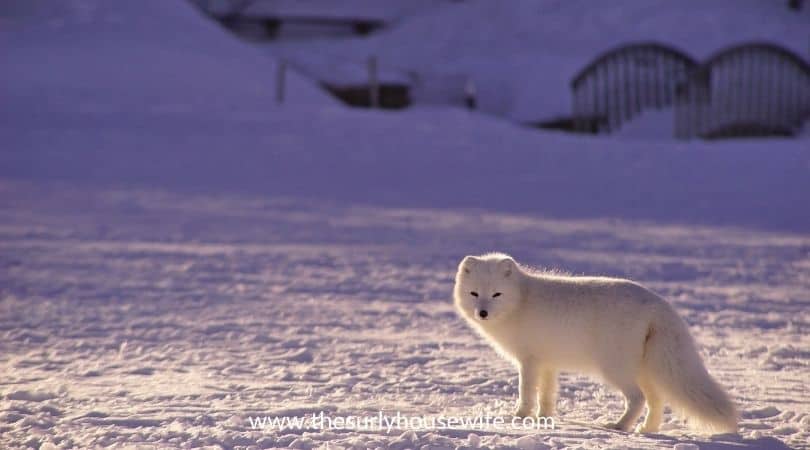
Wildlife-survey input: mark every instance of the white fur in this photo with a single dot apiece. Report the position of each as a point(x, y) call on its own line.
point(613, 328)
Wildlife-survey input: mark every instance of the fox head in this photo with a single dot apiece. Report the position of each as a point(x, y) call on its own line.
point(487, 287)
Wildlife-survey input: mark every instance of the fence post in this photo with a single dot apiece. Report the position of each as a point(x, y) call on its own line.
point(373, 83)
point(678, 110)
point(470, 94)
point(576, 110)
point(281, 82)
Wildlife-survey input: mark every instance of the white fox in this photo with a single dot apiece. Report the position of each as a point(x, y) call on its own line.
point(613, 328)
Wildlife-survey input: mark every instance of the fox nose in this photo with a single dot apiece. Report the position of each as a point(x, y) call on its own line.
point(483, 314)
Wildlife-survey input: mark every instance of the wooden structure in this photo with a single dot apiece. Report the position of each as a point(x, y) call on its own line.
point(237, 14)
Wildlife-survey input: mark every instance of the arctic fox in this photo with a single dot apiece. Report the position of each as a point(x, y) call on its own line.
point(613, 328)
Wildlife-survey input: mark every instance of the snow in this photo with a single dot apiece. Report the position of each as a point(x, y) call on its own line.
point(180, 254)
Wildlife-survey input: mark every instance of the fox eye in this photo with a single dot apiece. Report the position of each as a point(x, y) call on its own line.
point(497, 294)
point(474, 294)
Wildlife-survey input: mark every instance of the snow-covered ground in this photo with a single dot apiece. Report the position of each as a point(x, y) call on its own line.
point(179, 254)
point(151, 317)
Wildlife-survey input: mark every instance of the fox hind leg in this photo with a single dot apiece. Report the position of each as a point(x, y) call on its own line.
point(633, 399)
point(633, 406)
point(655, 408)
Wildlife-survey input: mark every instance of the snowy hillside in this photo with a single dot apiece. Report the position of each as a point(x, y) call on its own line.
point(109, 56)
point(195, 110)
point(179, 254)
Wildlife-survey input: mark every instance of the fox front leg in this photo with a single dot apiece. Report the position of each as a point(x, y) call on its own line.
point(548, 393)
point(527, 389)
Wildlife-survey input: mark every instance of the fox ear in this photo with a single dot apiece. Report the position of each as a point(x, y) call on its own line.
point(468, 263)
point(506, 266)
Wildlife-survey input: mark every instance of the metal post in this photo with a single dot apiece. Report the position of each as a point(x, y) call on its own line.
point(373, 83)
point(281, 75)
point(470, 94)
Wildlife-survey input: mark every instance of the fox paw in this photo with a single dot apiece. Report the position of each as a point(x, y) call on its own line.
point(615, 426)
point(523, 412)
point(546, 412)
point(643, 429)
